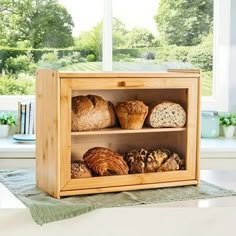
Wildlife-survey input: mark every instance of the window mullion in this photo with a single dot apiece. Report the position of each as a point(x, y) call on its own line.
point(107, 37)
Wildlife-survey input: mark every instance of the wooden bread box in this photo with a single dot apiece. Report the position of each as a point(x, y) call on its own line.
point(57, 146)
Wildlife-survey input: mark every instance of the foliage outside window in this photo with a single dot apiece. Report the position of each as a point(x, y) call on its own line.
point(39, 34)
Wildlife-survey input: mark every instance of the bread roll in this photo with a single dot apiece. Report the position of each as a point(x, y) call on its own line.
point(136, 160)
point(91, 112)
point(79, 170)
point(104, 161)
point(145, 161)
point(166, 114)
point(173, 163)
point(131, 114)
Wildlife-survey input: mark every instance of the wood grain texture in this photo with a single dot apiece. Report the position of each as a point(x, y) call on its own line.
point(175, 141)
point(128, 180)
point(127, 188)
point(47, 131)
point(57, 145)
point(174, 74)
point(147, 95)
point(96, 84)
point(116, 130)
point(192, 126)
point(198, 138)
point(65, 139)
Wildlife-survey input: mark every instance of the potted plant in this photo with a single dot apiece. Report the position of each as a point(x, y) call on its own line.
point(6, 120)
point(228, 121)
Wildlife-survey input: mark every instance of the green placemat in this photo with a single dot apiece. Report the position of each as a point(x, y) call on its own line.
point(45, 209)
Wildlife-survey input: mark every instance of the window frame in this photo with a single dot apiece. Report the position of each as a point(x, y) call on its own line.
point(221, 58)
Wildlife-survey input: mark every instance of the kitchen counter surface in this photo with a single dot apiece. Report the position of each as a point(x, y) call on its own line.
point(193, 217)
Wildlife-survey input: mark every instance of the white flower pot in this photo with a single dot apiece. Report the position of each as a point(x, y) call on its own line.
point(229, 131)
point(4, 131)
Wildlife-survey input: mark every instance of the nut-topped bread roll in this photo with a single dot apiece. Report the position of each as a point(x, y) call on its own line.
point(136, 160)
point(79, 170)
point(131, 114)
point(166, 114)
point(91, 112)
point(104, 161)
point(146, 161)
point(173, 163)
point(158, 156)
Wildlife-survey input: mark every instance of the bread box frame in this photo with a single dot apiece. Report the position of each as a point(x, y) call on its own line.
point(55, 143)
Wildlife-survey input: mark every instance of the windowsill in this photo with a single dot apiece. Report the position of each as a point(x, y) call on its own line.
point(218, 148)
point(210, 148)
point(12, 149)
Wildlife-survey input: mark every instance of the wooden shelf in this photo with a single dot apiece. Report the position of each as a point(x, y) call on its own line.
point(126, 131)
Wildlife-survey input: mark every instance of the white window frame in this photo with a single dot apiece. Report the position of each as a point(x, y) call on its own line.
point(221, 62)
point(221, 57)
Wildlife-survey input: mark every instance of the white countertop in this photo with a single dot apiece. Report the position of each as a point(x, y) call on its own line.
point(210, 217)
point(218, 148)
point(11, 148)
point(221, 147)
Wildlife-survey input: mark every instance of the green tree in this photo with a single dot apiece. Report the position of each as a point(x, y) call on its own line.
point(201, 55)
point(138, 38)
point(119, 33)
point(91, 41)
point(184, 22)
point(37, 23)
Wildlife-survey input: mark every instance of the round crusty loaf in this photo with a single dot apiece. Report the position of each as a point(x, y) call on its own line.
point(104, 162)
point(91, 112)
point(166, 114)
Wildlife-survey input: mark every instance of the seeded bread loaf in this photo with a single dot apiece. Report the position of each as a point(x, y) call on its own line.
point(79, 170)
point(105, 162)
point(166, 114)
point(91, 112)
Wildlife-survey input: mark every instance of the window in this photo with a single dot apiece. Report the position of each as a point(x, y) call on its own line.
point(141, 40)
point(65, 35)
point(222, 79)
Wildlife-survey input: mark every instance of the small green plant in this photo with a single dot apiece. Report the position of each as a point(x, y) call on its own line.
point(228, 119)
point(7, 119)
point(91, 57)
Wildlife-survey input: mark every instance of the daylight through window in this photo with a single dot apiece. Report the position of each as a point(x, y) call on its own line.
point(150, 35)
